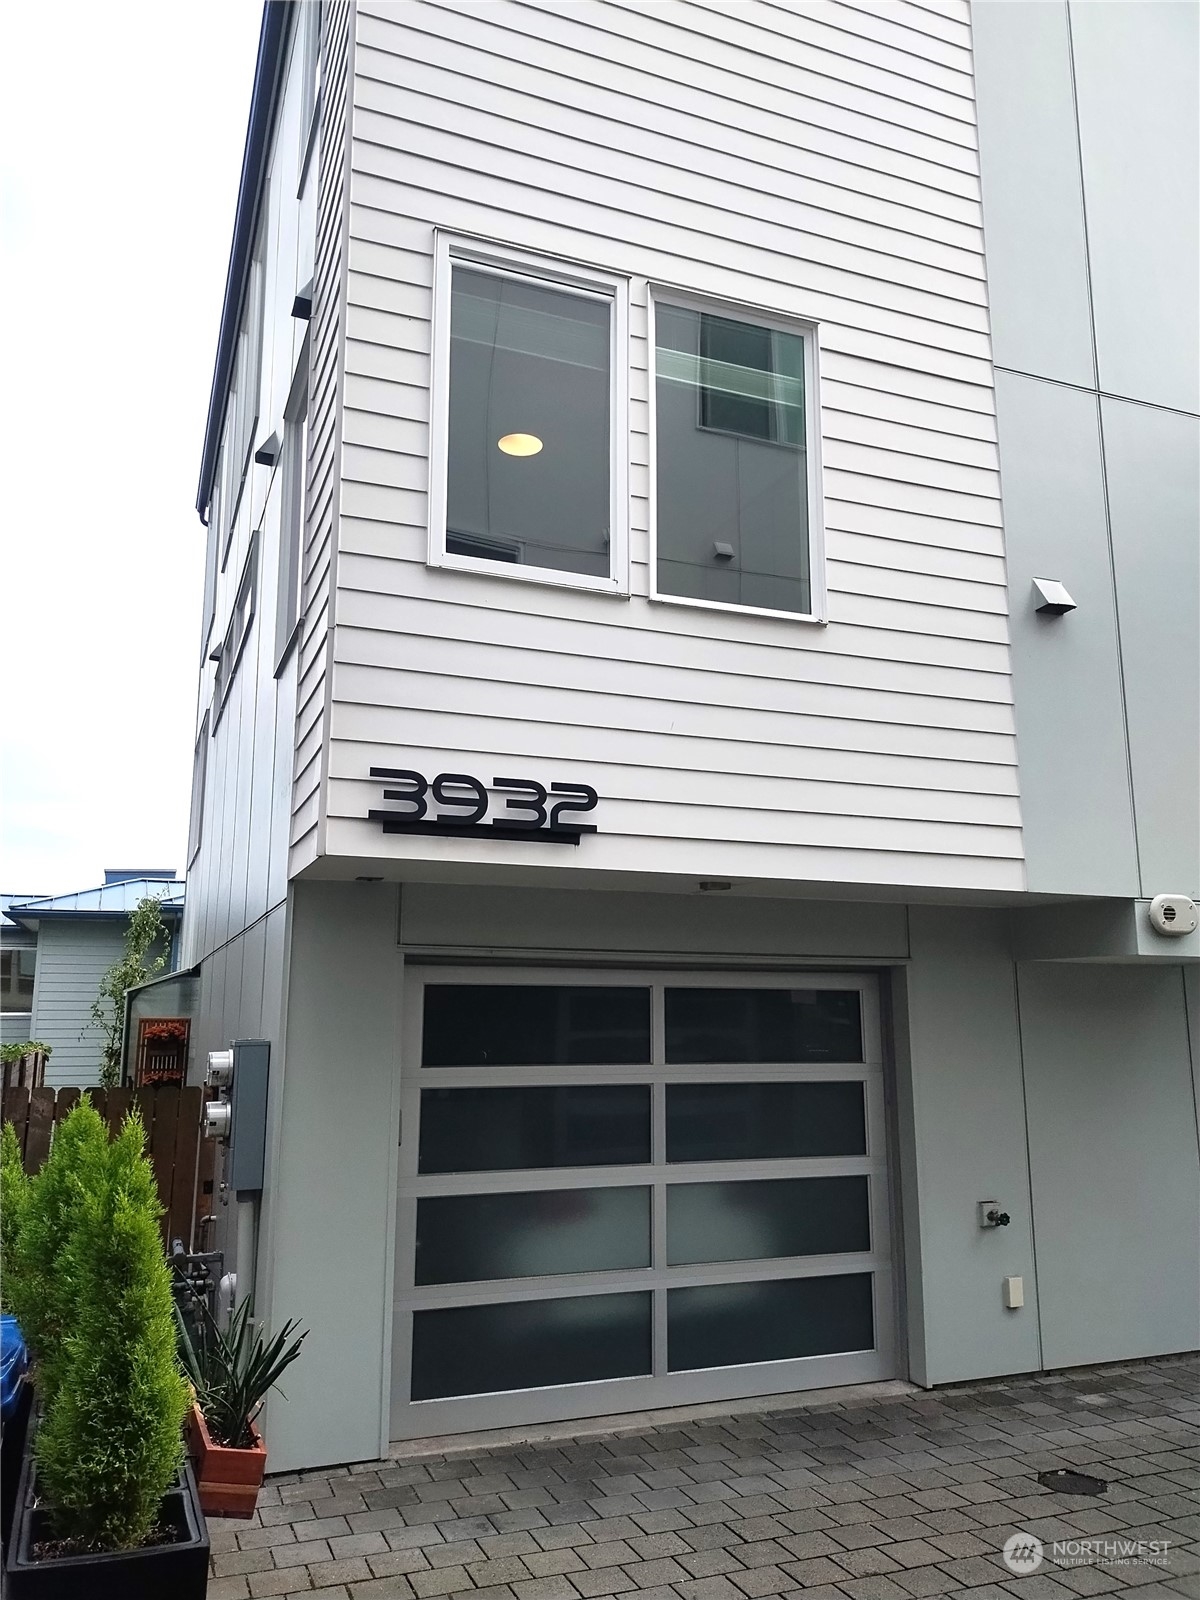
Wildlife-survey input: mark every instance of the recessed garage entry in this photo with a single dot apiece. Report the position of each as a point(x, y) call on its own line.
point(627, 1190)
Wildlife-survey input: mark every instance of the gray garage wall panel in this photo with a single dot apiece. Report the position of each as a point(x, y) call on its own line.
point(1136, 84)
point(1032, 190)
point(1065, 669)
point(1153, 460)
point(962, 1132)
point(332, 1225)
point(1113, 1159)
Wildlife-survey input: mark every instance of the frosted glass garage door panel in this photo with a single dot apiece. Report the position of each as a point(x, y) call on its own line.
point(763, 1025)
point(530, 1344)
point(467, 1238)
point(730, 1324)
point(763, 1218)
point(525, 1025)
point(764, 1121)
point(503, 1130)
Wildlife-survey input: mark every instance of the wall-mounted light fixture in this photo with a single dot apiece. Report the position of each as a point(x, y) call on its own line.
point(1052, 598)
point(267, 453)
point(302, 304)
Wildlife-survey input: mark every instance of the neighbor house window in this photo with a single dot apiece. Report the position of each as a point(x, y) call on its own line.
point(736, 493)
point(530, 446)
point(17, 967)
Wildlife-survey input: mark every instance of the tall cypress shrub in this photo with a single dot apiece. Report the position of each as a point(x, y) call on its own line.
point(40, 1286)
point(14, 1198)
point(111, 1445)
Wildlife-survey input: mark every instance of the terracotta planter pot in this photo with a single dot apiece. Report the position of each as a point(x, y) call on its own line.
point(228, 1480)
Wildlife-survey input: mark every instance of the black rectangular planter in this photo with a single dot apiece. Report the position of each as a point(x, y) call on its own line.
point(12, 1452)
point(178, 1570)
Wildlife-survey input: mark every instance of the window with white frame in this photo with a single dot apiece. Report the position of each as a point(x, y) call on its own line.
point(245, 392)
point(199, 785)
point(736, 483)
point(530, 443)
point(294, 515)
point(230, 653)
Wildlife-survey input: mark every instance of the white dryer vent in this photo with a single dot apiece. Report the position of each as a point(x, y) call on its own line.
point(1173, 915)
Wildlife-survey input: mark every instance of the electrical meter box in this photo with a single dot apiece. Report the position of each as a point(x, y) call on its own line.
point(246, 1160)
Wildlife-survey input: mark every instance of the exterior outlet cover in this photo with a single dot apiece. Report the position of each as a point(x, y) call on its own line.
point(1053, 599)
point(1173, 915)
point(1014, 1293)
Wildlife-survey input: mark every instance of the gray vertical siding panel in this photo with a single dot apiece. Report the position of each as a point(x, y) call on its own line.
point(1136, 73)
point(1075, 794)
point(1153, 471)
point(1033, 199)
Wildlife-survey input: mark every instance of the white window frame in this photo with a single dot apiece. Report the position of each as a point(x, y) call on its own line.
point(293, 517)
point(756, 316)
point(571, 278)
point(241, 621)
point(199, 791)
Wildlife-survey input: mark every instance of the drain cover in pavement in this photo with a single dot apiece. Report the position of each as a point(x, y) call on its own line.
point(1068, 1482)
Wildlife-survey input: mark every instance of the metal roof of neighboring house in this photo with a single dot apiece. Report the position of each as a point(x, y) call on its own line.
point(108, 900)
point(7, 900)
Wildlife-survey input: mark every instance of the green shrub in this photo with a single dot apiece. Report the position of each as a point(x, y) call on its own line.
point(233, 1372)
point(41, 1287)
point(111, 1445)
point(14, 1199)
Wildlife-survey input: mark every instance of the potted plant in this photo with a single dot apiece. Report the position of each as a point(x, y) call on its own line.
point(231, 1373)
point(106, 1501)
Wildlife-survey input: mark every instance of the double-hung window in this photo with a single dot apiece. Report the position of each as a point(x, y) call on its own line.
point(529, 474)
point(735, 460)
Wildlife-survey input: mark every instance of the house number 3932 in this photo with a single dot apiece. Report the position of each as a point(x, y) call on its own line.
point(457, 804)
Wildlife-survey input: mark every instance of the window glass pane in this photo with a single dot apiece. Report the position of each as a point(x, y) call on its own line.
point(529, 450)
point(501, 1130)
point(530, 1344)
point(760, 1218)
point(760, 1025)
point(465, 1238)
point(732, 465)
point(494, 1025)
point(760, 1121)
point(732, 1324)
point(16, 976)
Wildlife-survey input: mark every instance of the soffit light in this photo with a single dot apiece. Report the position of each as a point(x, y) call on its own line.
point(520, 444)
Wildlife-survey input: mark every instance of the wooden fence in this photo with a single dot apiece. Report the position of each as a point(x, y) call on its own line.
point(182, 1158)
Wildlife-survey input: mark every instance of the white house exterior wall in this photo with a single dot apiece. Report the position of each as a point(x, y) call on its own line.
point(819, 163)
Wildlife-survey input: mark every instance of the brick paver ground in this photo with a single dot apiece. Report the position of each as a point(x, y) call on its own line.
point(866, 1499)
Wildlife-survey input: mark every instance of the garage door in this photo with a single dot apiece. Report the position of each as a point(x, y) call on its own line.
point(620, 1191)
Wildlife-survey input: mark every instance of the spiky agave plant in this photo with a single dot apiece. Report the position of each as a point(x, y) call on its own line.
point(233, 1371)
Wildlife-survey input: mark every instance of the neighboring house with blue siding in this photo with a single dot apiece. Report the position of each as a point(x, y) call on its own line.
point(56, 950)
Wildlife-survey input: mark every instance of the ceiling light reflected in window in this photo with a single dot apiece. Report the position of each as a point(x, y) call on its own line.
point(520, 444)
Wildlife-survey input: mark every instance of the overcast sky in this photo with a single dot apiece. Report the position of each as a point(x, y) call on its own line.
point(121, 132)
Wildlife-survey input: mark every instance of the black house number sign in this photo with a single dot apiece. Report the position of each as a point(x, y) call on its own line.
point(456, 805)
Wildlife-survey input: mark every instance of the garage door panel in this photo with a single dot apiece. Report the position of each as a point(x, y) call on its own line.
point(626, 1191)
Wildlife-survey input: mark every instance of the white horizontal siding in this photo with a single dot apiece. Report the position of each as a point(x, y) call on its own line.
point(73, 957)
point(817, 159)
point(325, 373)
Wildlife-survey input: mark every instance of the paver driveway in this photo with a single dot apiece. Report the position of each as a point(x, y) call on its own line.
point(866, 1499)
